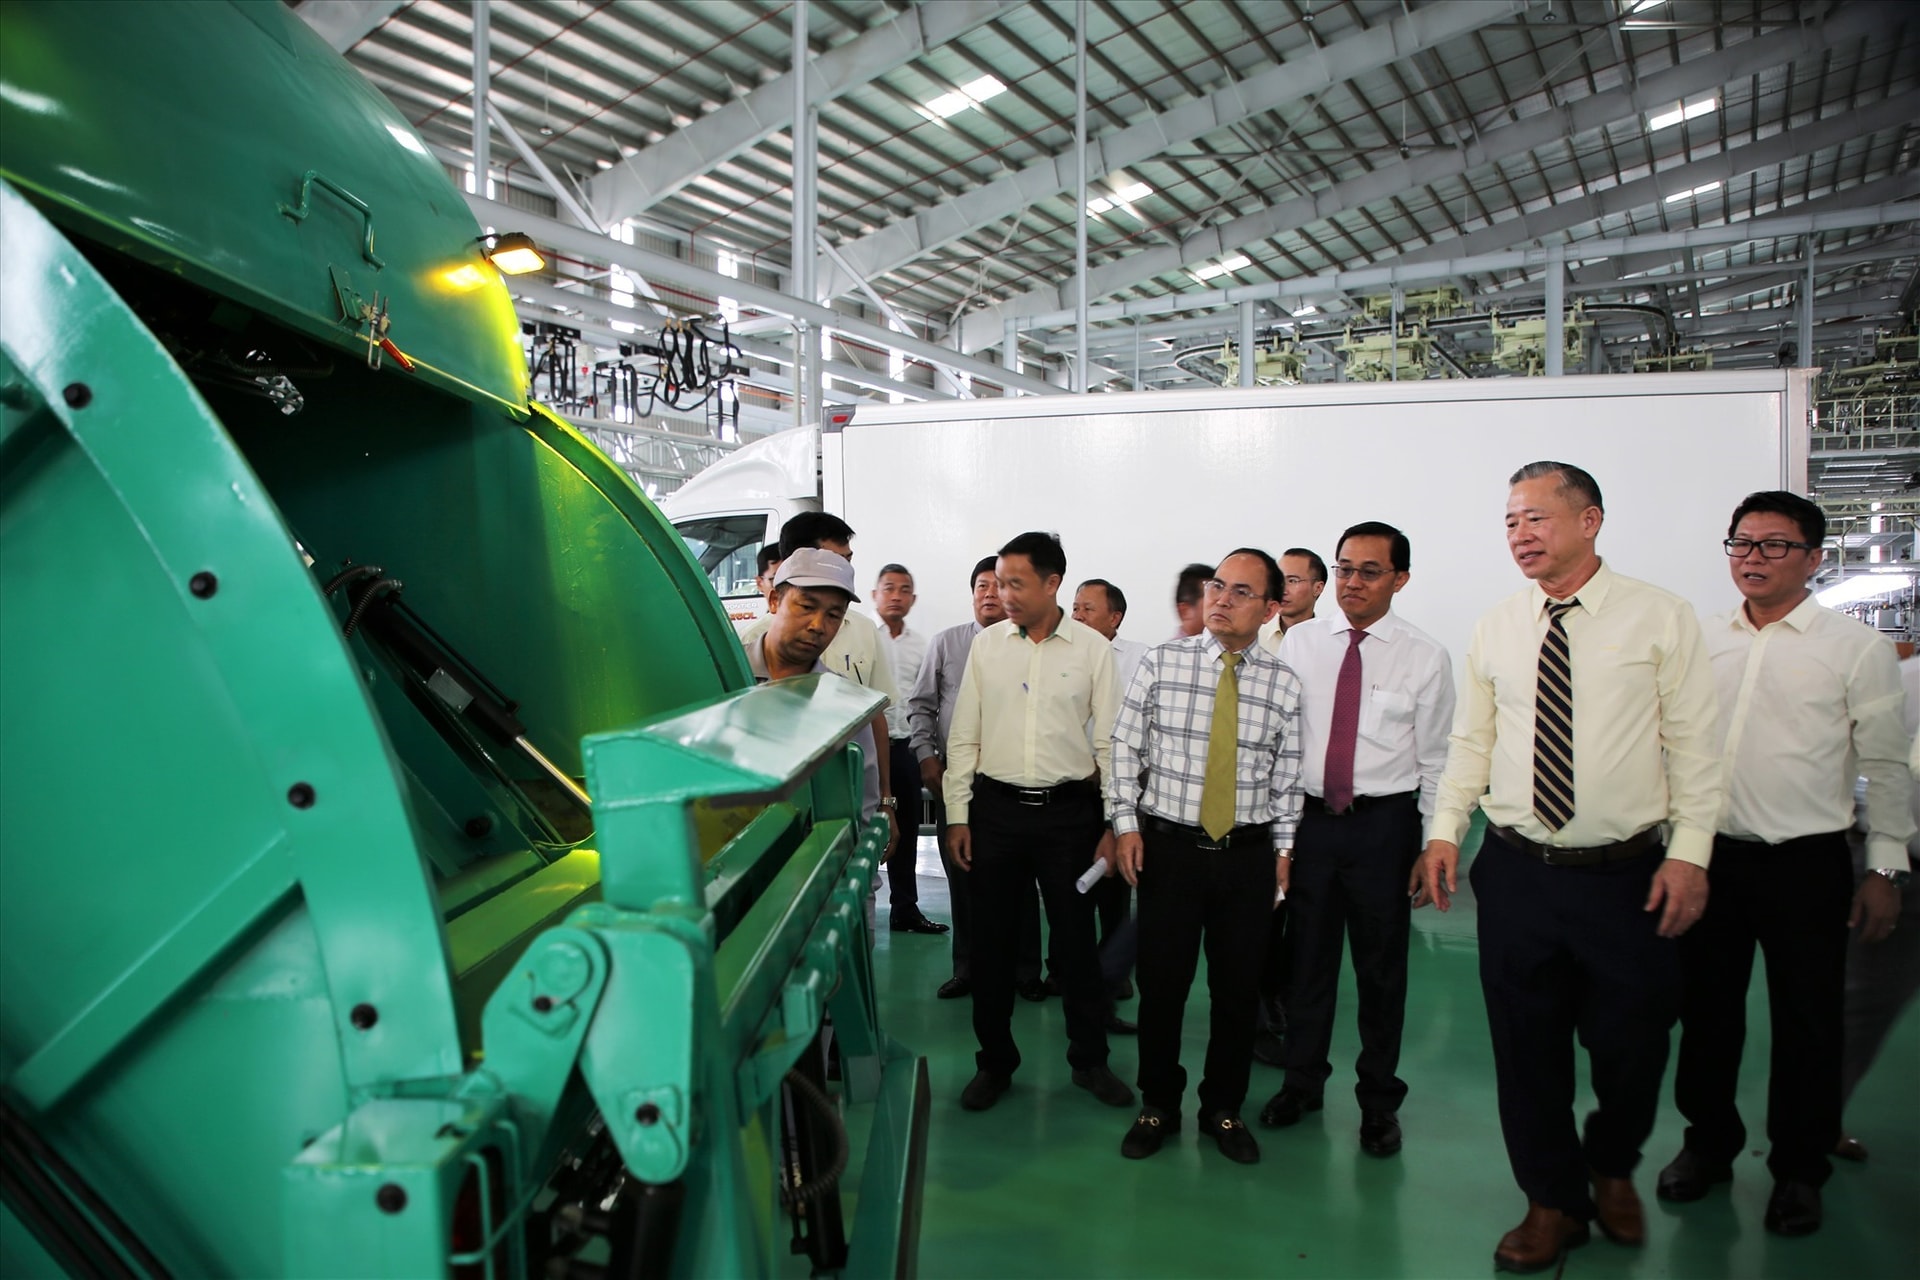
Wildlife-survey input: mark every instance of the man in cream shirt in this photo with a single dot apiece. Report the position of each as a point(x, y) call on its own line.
point(1026, 788)
point(1809, 699)
point(1585, 725)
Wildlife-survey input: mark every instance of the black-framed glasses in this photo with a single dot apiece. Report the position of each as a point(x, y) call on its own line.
point(1238, 593)
point(1369, 573)
point(1770, 548)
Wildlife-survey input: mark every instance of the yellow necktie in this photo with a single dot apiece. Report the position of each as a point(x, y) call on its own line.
point(1223, 738)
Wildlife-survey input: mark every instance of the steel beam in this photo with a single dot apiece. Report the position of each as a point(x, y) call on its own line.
point(345, 23)
point(653, 173)
point(1080, 380)
point(482, 75)
point(1314, 72)
point(595, 247)
point(1495, 147)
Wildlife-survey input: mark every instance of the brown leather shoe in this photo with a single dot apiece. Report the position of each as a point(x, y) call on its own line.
point(1618, 1210)
point(1540, 1241)
point(1850, 1149)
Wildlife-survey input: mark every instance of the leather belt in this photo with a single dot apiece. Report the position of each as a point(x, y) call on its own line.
point(1634, 846)
point(1241, 837)
point(1319, 805)
point(1072, 789)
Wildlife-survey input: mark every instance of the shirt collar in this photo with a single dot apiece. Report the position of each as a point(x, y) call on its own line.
point(1803, 616)
point(1065, 630)
point(1211, 649)
point(757, 660)
point(1591, 596)
point(1384, 629)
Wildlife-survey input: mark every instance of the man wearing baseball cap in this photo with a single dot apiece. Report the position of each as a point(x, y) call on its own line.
point(811, 592)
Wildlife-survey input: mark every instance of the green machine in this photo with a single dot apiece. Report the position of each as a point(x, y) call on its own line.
point(400, 874)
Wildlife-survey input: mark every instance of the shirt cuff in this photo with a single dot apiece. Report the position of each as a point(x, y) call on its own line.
point(925, 753)
point(1886, 853)
point(1126, 822)
point(1449, 826)
point(1689, 845)
point(956, 815)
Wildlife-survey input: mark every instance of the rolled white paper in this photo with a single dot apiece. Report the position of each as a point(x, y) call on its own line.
point(1093, 875)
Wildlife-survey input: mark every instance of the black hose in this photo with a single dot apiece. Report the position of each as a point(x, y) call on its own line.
point(366, 600)
point(828, 1178)
point(352, 573)
point(38, 1153)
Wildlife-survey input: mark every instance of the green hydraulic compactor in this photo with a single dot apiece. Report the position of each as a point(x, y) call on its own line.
point(400, 873)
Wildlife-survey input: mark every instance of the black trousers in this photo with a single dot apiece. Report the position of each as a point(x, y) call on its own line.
point(903, 889)
point(1188, 895)
point(960, 904)
point(1349, 880)
point(1792, 899)
point(1882, 979)
point(1014, 845)
point(1568, 951)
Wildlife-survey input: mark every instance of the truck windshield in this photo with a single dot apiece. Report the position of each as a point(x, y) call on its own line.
point(728, 549)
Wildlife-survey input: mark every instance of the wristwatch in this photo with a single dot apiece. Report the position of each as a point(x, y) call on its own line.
point(1898, 879)
point(889, 802)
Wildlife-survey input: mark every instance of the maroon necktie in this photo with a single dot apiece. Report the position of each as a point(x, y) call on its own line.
point(1346, 727)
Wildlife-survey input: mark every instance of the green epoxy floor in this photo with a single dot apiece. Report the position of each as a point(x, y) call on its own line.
point(1037, 1187)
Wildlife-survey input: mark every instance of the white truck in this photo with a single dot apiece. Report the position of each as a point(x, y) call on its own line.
point(1139, 485)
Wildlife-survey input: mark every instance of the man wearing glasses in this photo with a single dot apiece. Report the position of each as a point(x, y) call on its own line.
point(1213, 721)
point(1377, 707)
point(1808, 699)
point(1586, 724)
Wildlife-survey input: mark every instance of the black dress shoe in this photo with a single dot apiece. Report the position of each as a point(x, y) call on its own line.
point(1123, 990)
point(1690, 1176)
point(901, 922)
point(1379, 1133)
point(1050, 986)
point(1104, 1085)
point(1288, 1107)
point(984, 1090)
point(1270, 1049)
point(1151, 1128)
point(955, 989)
point(1850, 1148)
point(1031, 989)
point(1794, 1209)
point(1230, 1134)
point(1119, 1026)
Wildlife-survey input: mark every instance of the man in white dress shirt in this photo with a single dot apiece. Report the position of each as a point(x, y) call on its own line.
point(905, 650)
point(1809, 699)
point(1377, 706)
point(1585, 727)
point(1103, 606)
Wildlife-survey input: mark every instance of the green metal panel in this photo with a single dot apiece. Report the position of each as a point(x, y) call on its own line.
point(176, 134)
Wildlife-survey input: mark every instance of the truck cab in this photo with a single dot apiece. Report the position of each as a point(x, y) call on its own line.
point(733, 508)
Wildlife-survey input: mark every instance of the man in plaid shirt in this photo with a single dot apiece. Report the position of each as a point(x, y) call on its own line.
point(1203, 838)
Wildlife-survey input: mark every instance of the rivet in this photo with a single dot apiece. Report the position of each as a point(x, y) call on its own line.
point(363, 1016)
point(479, 828)
point(78, 395)
point(648, 1114)
point(391, 1197)
point(300, 795)
point(542, 1004)
point(203, 584)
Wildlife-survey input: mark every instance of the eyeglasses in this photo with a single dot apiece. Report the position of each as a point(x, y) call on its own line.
point(1238, 593)
point(1366, 573)
point(1770, 548)
point(1295, 580)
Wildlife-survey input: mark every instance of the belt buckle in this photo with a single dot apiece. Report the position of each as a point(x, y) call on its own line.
point(1032, 797)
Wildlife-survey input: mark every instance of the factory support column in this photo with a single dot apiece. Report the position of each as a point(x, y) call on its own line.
point(1556, 310)
point(800, 280)
point(1080, 186)
point(1246, 344)
point(482, 86)
point(1806, 306)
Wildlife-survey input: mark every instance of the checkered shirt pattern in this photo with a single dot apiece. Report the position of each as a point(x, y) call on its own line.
point(1163, 726)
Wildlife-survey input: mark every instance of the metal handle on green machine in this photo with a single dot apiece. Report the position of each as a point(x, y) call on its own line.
point(299, 212)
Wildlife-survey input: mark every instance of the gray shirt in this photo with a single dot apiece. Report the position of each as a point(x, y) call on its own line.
point(930, 703)
point(870, 792)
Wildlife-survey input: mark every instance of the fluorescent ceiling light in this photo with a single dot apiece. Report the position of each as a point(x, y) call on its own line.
point(1865, 586)
point(1308, 310)
point(1644, 4)
point(1213, 269)
point(1678, 196)
point(1690, 111)
point(967, 95)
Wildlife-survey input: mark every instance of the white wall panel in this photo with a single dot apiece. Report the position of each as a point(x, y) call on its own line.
point(1156, 480)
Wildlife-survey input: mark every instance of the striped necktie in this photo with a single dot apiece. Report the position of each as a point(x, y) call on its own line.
point(1553, 724)
point(1223, 740)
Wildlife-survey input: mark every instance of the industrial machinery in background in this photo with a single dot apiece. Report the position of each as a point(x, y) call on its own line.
point(400, 874)
point(1435, 333)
